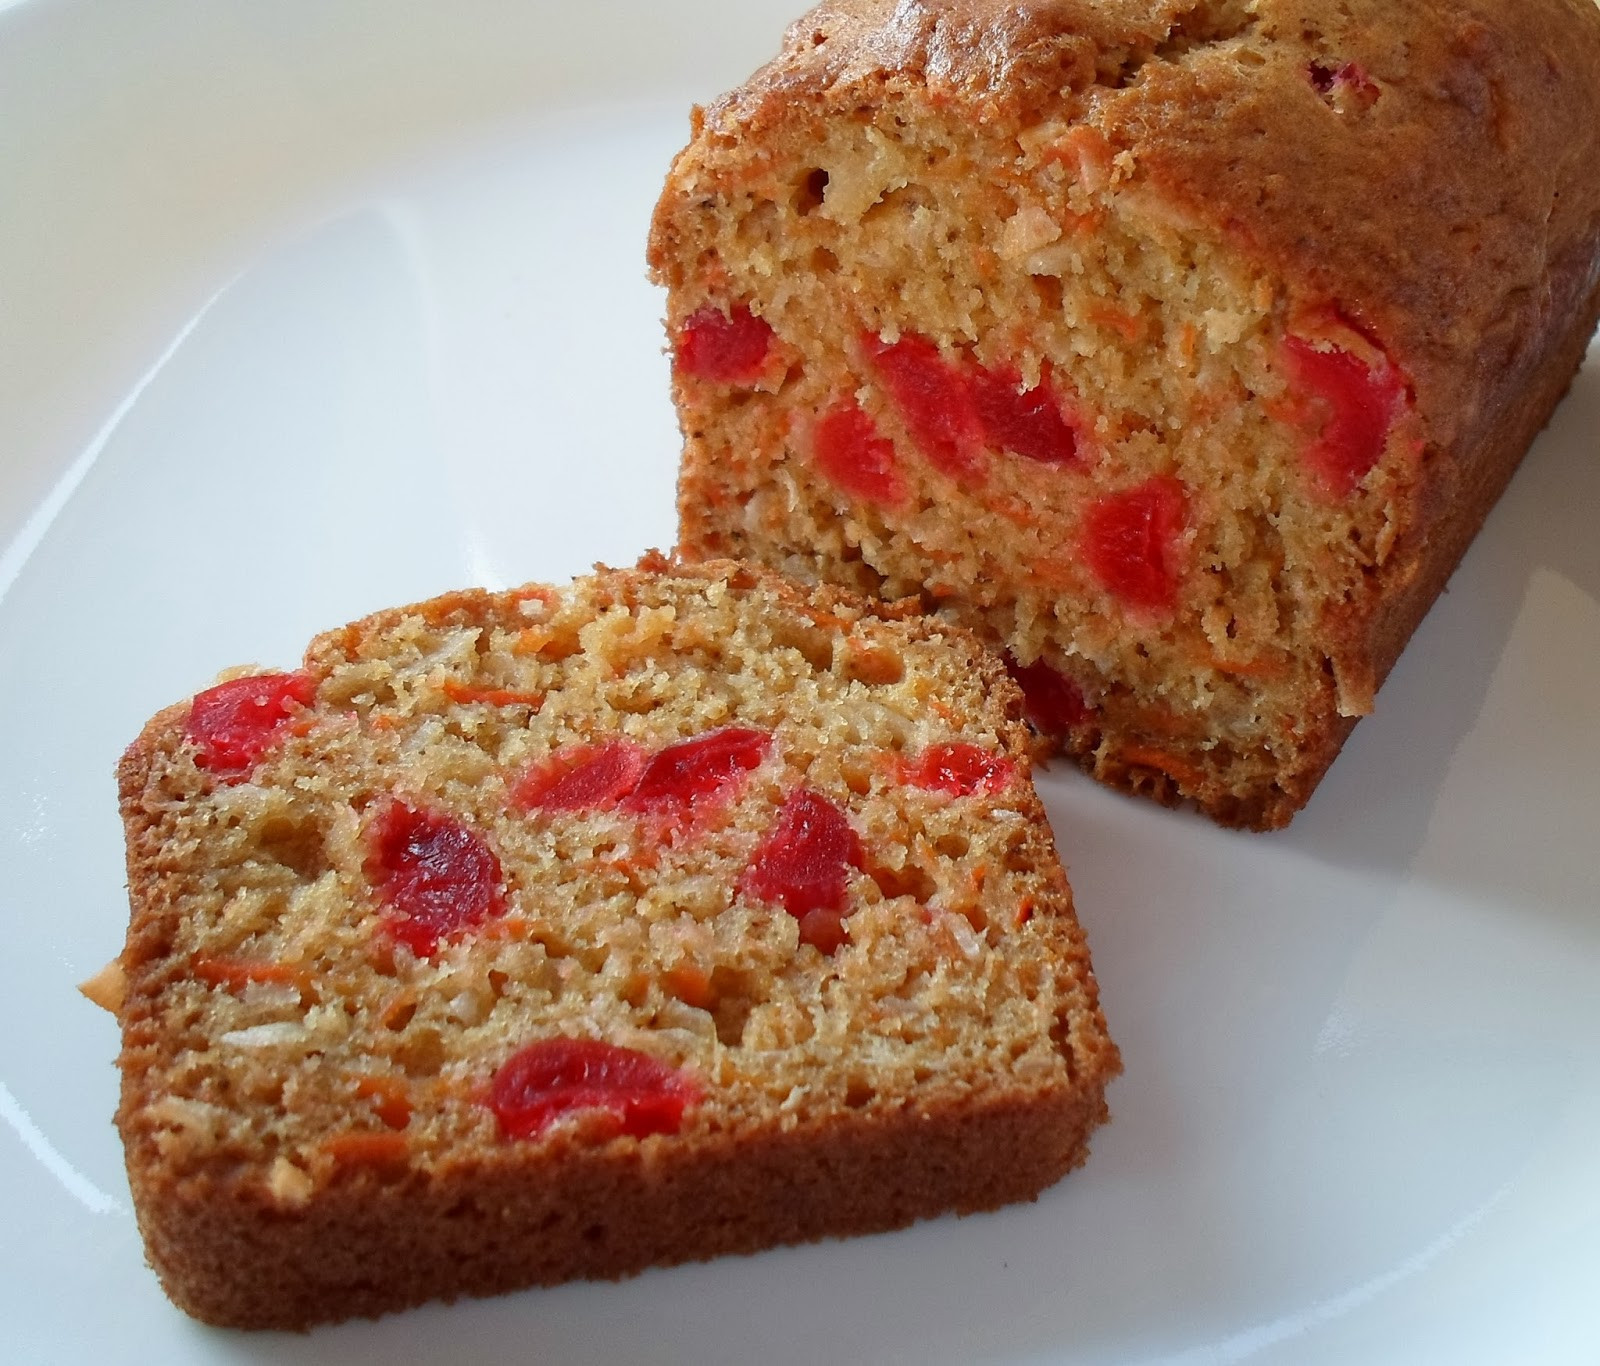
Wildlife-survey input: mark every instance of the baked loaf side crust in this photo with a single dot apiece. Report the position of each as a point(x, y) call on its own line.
point(1171, 223)
point(307, 1103)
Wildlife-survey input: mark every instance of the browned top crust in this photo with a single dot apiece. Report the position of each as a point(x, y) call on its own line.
point(1457, 217)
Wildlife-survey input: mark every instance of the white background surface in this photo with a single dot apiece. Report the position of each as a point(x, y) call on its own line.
point(313, 307)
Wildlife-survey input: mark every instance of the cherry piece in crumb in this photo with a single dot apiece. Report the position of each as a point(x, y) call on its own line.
point(438, 877)
point(1350, 408)
point(1051, 701)
point(1025, 422)
point(724, 348)
point(541, 1083)
point(804, 865)
point(934, 400)
point(1130, 542)
point(581, 777)
point(233, 724)
point(854, 456)
point(960, 769)
point(686, 776)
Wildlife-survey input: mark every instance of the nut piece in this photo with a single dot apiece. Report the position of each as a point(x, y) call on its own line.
point(107, 987)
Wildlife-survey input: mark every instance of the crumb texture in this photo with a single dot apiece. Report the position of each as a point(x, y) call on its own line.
point(532, 930)
point(1178, 346)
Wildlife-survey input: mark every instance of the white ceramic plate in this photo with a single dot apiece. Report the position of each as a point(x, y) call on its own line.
point(312, 307)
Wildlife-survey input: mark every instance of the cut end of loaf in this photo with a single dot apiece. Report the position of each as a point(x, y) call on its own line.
point(976, 306)
point(984, 363)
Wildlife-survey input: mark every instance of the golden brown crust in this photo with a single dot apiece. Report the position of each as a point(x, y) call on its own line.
point(371, 1245)
point(247, 1232)
point(1438, 221)
point(1486, 469)
point(1441, 205)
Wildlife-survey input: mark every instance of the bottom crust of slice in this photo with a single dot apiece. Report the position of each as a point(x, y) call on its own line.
point(366, 1246)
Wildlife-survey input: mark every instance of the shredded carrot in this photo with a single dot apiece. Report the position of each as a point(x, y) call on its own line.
point(530, 641)
point(1024, 911)
point(367, 1149)
point(1090, 222)
point(1291, 411)
point(439, 611)
point(872, 664)
point(690, 985)
point(536, 592)
point(1130, 325)
point(1055, 572)
point(1188, 341)
point(1018, 510)
point(505, 927)
point(347, 640)
point(389, 1095)
point(646, 856)
point(1148, 757)
point(236, 973)
point(497, 697)
point(1249, 668)
point(1159, 719)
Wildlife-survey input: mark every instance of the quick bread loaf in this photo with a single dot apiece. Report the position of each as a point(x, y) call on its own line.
point(552, 933)
point(1178, 346)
